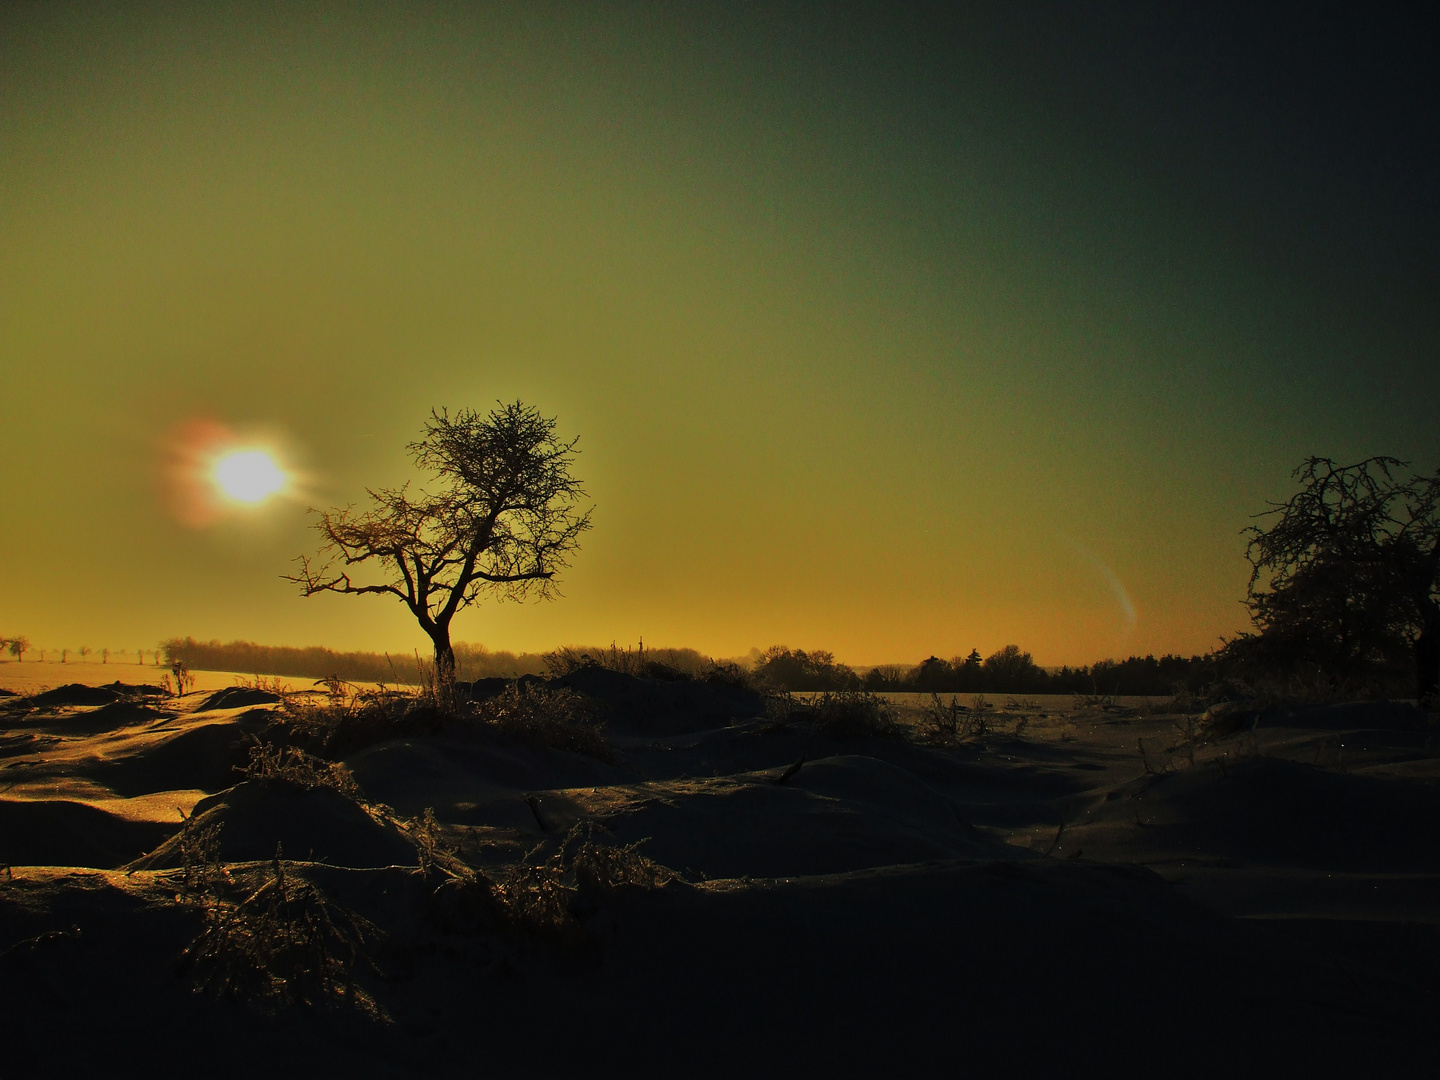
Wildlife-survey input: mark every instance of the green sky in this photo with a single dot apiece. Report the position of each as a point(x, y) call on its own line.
point(881, 334)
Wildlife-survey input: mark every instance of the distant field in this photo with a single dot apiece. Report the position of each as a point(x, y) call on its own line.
point(1003, 702)
point(31, 676)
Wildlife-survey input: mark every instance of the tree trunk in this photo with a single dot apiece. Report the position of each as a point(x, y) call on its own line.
point(1427, 644)
point(444, 660)
point(1427, 656)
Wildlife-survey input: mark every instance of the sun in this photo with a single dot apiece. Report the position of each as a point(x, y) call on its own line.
point(248, 476)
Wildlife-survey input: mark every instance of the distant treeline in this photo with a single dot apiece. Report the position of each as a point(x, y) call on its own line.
point(1006, 671)
point(315, 662)
point(471, 661)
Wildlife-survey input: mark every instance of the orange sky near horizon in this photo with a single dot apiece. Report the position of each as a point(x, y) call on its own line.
point(878, 337)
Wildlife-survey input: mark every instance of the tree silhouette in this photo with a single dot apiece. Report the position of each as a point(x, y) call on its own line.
point(933, 674)
point(969, 673)
point(501, 516)
point(1010, 669)
point(795, 669)
point(1352, 562)
point(17, 647)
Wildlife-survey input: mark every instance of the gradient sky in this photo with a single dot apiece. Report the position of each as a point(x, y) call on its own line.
point(883, 331)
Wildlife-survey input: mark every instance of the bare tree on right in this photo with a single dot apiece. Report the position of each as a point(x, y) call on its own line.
point(1346, 578)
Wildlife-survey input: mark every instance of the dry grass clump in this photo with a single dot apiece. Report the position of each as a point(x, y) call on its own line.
point(200, 855)
point(291, 765)
point(1258, 690)
point(942, 723)
point(841, 714)
point(569, 658)
point(433, 852)
point(854, 714)
point(1193, 731)
point(1096, 701)
point(950, 724)
point(1223, 719)
point(344, 718)
point(1189, 738)
point(271, 685)
point(549, 898)
point(544, 897)
point(557, 718)
point(272, 942)
point(184, 680)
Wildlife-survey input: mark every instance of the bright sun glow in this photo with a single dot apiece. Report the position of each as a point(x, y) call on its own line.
point(248, 476)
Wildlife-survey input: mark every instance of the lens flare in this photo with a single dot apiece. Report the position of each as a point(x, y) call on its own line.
point(248, 476)
point(1118, 590)
point(213, 472)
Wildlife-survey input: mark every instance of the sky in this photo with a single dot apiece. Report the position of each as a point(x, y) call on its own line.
point(893, 330)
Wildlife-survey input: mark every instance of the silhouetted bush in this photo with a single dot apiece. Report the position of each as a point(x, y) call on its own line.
point(782, 668)
point(853, 714)
point(670, 665)
point(662, 665)
point(1284, 666)
point(729, 674)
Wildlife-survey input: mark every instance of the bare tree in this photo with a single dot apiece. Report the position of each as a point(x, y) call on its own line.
point(501, 517)
point(18, 647)
point(1353, 566)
